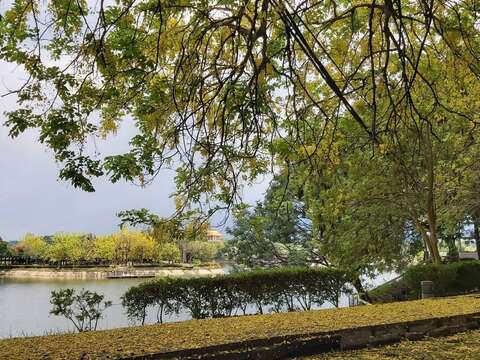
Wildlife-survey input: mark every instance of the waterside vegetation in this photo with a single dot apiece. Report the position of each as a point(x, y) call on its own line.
point(260, 291)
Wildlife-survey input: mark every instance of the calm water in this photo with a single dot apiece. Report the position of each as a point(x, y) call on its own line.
point(25, 304)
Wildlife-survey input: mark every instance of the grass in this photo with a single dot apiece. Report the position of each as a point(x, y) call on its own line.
point(200, 333)
point(459, 346)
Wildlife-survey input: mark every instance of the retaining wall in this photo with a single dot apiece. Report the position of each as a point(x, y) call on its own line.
point(105, 274)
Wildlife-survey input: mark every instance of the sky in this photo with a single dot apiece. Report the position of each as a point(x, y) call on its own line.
point(33, 199)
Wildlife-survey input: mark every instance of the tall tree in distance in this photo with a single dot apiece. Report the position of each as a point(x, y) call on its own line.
point(4, 248)
point(275, 231)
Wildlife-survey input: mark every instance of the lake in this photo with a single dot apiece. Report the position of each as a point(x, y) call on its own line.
point(25, 304)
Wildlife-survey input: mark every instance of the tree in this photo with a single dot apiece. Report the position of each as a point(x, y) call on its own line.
point(65, 247)
point(87, 247)
point(275, 231)
point(166, 231)
point(376, 206)
point(105, 247)
point(228, 91)
point(196, 230)
point(133, 245)
point(4, 248)
point(178, 230)
point(163, 230)
point(169, 252)
point(203, 250)
point(83, 309)
point(33, 246)
point(143, 248)
point(201, 80)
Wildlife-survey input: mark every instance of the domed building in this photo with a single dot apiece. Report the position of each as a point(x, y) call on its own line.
point(214, 236)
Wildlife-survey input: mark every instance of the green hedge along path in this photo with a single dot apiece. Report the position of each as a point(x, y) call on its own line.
point(277, 290)
point(201, 333)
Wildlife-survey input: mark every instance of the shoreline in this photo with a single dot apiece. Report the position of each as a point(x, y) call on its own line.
point(108, 273)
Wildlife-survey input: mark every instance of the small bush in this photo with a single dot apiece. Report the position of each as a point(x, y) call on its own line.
point(83, 309)
point(283, 289)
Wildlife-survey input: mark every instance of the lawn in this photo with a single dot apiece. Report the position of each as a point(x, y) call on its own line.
point(200, 333)
point(460, 346)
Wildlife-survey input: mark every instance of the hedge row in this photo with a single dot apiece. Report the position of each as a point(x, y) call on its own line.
point(276, 290)
point(448, 279)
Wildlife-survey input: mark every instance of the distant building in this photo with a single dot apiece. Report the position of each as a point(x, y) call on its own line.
point(214, 235)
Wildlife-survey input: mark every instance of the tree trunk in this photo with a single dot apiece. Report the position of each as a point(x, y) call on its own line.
point(434, 245)
point(430, 242)
point(430, 203)
point(476, 234)
point(451, 241)
point(362, 293)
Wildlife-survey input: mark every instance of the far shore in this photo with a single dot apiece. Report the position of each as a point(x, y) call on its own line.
point(108, 272)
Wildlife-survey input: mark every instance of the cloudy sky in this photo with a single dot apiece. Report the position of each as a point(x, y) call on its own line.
point(32, 199)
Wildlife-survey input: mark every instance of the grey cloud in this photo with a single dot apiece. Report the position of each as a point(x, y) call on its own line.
point(32, 199)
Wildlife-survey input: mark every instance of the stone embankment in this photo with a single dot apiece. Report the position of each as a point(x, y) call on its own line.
point(95, 274)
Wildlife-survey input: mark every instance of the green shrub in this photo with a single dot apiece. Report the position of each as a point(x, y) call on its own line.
point(282, 289)
point(449, 279)
point(83, 309)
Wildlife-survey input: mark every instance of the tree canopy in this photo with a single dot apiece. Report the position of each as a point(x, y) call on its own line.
point(379, 96)
point(212, 84)
point(4, 248)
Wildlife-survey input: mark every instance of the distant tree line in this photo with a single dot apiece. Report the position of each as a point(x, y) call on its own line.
point(121, 247)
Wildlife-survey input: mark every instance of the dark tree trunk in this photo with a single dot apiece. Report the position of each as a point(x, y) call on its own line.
point(452, 254)
point(476, 234)
point(362, 293)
